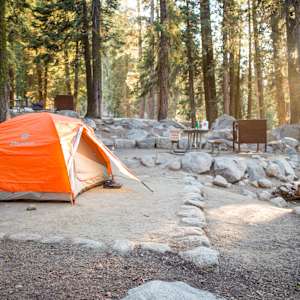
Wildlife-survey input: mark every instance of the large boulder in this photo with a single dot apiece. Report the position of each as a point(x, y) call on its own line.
point(232, 169)
point(197, 162)
point(274, 170)
point(223, 122)
point(146, 143)
point(90, 122)
point(255, 170)
point(288, 130)
point(163, 143)
point(124, 144)
point(285, 167)
point(137, 134)
point(158, 290)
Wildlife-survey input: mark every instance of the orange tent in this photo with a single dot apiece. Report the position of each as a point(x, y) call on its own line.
point(46, 156)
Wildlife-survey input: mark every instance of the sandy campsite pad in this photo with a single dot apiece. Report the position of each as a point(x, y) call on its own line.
point(132, 212)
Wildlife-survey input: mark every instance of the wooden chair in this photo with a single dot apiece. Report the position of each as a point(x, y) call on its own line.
point(64, 102)
point(249, 132)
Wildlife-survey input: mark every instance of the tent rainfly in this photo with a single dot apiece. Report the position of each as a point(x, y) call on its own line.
point(46, 156)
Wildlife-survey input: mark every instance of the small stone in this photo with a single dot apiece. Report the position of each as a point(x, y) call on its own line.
point(220, 181)
point(180, 232)
point(148, 161)
point(91, 244)
point(123, 247)
point(195, 241)
point(174, 165)
point(193, 196)
point(190, 212)
point(265, 183)
point(31, 207)
point(19, 286)
point(25, 237)
point(198, 203)
point(248, 194)
point(155, 247)
point(254, 184)
point(191, 189)
point(52, 240)
point(265, 196)
point(296, 210)
point(279, 201)
point(201, 256)
point(192, 221)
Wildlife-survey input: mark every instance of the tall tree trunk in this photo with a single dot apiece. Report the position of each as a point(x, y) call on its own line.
point(249, 102)
point(232, 76)
point(226, 93)
point(3, 63)
point(39, 71)
point(190, 58)
point(163, 64)
point(292, 9)
point(67, 71)
point(76, 75)
point(208, 62)
point(140, 41)
point(87, 60)
point(45, 85)
point(152, 93)
point(238, 104)
point(95, 109)
point(12, 87)
point(258, 62)
point(281, 112)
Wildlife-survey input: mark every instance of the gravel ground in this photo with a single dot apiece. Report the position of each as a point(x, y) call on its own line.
point(39, 271)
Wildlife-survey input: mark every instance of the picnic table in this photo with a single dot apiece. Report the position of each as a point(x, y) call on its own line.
point(195, 137)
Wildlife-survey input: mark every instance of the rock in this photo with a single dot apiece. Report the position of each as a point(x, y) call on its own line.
point(172, 123)
point(279, 201)
point(31, 207)
point(220, 181)
point(265, 196)
point(3, 235)
point(161, 290)
point(287, 130)
point(254, 183)
point(290, 142)
point(148, 161)
point(232, 169)
point(174, 165)
point(193, 196)
point(90, 122)
point(163, 143)
point(183, 143)
point(221, 134)
point(125, 143)
point(223, 122)
point(192, 221)
point(248, 194)
point(91, 244)
point(146, 143)
point(274, 170)
point(197, 162)
point(137, 134)
point(107, 142)
point(265, 183)
point(25, 237)
point(53, 239)
point(195, 241)
point(296, 210)
point(255, 170)
point(200, 204)
point(123, 247)
point(132, 163)
point(201, 256)
point(69, 113)
point(186, 231)
point(285, 166)
point(191, 189)
point(155, 247)
point(191, 212)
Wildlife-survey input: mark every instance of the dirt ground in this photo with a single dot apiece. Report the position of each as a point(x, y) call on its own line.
point(259, 243)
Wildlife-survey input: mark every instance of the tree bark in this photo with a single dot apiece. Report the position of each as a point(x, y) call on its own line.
point(39, 71)
point(249, 102)
point(190, 59)
point(152, 93)
point(292, 9)
point(258, 63)
point(163, 64)
point(67, 71)
point(232, 76)
point(95, 107)
point(142, 99)
point(87, 60)
point(12, 87)
point(281, 111)
point(45, 85)
point(3, 63)
point(238, 104)
point(226, 93)
point(76, 75)
point(208, 62)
